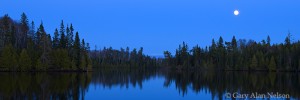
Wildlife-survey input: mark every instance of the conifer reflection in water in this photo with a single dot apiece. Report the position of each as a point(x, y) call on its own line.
point(75, 85)
point(217, 83)
point(43, 86)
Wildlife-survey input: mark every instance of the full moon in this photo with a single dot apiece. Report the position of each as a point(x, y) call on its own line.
point(236, 12)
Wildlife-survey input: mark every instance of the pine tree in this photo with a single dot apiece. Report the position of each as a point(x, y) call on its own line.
point(213, 52)
point(221, 43)
point(140, 57)
point(221, 53)
point(82, 46)
point(196, 56)
point(24, 28)
point(70, 41)
point(127, 54)
point(83, 52)
point(77, 50)
point(268, 40)
point(71, 33)
point(45, 48)
point(234, 52)
point(185, 54)
point(32, 31)
point(24, 61)
point(133, 57)
point(62, 35)
point(70, 36)
point(62, 41)
point(233, 43)
point(24, 23)
point(67, 37)
point(56, 42)
point(288, 40)
point(168, 58)
point(62, 27)
point(213, 45)
point(39, 33)
point(8, 35)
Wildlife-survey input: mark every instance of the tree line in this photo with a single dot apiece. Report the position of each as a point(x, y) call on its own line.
point(23, 48)
point(108, 57)
point(238, 55)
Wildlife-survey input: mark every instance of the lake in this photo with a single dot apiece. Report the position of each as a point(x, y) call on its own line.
point(137, 84)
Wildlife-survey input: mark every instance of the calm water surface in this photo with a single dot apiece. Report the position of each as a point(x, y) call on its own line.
point(131, 84)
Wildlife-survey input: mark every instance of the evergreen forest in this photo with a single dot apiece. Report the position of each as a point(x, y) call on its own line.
point(25, 47)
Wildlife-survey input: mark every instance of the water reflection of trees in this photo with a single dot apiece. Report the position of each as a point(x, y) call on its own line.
point(43, 86)
point(123, 77)
point(74, 85)
point(218, 83)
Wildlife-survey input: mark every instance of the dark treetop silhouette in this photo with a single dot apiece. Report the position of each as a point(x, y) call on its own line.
point(25, 49)
point(238, 55)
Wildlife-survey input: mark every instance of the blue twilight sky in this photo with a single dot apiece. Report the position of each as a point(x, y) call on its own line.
point(159, 25)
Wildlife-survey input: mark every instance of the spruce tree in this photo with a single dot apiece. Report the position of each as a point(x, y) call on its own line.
point(67, 37)
point(268, 40)
point(82, 46)
point(62, 35)
point(32, 31)
point(168, 58)
point(221, 53)
point(221, 43)
point(45, 48)
point(287, 41)
point(24, 23)
point(39, 33)
point(7, 37)
point(233, 43)
point(24, 28)
point(71, 34)
point(56, 42)
point(77, 50)
point(62, 41)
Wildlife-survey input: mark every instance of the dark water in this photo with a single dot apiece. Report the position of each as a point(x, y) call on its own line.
point(126, 84)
